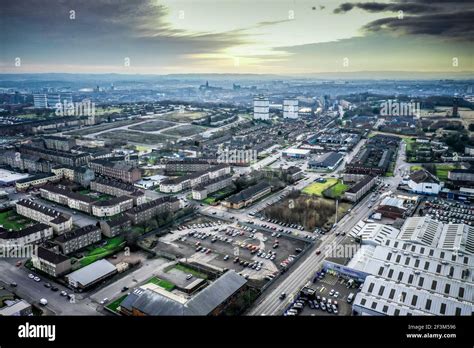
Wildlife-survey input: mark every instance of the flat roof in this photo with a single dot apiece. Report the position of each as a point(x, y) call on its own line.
point(8, 176)
point(89, 274)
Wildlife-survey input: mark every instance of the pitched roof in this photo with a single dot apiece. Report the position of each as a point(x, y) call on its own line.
point(423, 175)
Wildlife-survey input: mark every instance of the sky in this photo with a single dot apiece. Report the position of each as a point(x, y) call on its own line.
point(235, 36)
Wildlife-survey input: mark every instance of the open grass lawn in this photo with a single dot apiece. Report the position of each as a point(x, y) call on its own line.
point(168, 286)
point(11, 220)
point(441, 170)
point(338, 189)
point(152, 126)
point(185, 116)
point(409, 142)
point(136, 137)
point(184, 130)
point(115, 304)
point(317, 188)
point(189, 270)
point(415, 168)
point(113, 245)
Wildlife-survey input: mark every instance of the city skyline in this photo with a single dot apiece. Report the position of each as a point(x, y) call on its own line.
point(239, 37)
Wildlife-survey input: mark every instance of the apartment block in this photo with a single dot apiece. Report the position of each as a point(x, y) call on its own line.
point(78, 238)
point(201, 192)
point(60, 222)
point(153, 208)
point(194, 179)
point(115, 227)
point(51, 262)
point(68, 198)
point(118, 188)
point(112, 206)
point(29, 235)
point(118, 170)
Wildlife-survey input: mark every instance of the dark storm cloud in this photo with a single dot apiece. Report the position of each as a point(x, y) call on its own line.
point(380, 7)
point(450, 19)
point(101, 29)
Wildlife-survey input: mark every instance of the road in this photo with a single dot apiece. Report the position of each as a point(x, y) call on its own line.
point(270, 304)
point(33, 291)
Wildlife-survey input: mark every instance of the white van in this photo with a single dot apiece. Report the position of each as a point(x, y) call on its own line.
point(350, 297)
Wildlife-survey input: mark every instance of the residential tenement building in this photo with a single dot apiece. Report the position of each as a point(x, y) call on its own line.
point(53, 142)
point(194, 179)
point(68, 198)
point(61, 157)
point(60, 222)
point(201, 192)
point(50, 262)
point(112, 206)
point(118, 170)
point(118, 188)
point(153, 208)
point(36, 181)
point(115, 227)
point(29, 235)
point(78, 238)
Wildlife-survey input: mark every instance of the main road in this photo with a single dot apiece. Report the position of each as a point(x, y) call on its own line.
point(270, 304)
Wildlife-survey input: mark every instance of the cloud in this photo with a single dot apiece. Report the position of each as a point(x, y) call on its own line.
point(443, 18)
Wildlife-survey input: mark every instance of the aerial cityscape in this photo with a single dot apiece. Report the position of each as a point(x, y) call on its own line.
point(236, 158)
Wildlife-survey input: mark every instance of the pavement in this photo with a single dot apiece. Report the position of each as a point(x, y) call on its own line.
point(269, 303)
point(33, 291)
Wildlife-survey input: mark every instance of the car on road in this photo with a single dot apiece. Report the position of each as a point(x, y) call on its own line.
point(282, 296)
point(63, 293)
point(104, 300)
point(47, 285)
point(189, 276)
point(318, 252)
point(43, 302)
point(125, 288)
point(31, 276)
point(226, 257)
point(54, 288)
point(37, 279)
point(13, 284)
point(18, 263)
point(331, 292)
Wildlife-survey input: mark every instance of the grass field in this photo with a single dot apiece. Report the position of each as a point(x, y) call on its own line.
point(116, 303)
point(185, 116)
point(184, 130)
point(136, 137)
point(337, 190)
point(317, 188)
point(113, 245)
point(441, 170)
point(161, 283)
point(152, 126)
point(189, 270)
point(11, 220)
point(102, 127)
